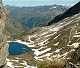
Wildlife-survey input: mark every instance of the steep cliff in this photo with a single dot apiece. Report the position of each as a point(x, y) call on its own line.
point(3, 37)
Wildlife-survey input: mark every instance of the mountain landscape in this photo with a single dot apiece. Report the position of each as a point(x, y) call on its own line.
point(40, 37)
point(56, 46)
point(22, 19)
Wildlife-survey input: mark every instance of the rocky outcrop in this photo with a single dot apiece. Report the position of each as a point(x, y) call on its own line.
point(3, 37)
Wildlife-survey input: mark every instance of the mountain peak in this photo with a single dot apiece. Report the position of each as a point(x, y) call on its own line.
point(70, 12)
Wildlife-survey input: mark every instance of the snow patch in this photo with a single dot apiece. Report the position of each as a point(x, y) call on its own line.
point(15, 60)
point(76, 36)
point(43, 33)
point(53, 7)
point(58, 50)
point(43, 56)
point(30, 40)
point(25, 43)
point(56, 44)
point(55, 29)
point(43, 43)
point(57, 56)
point(75, 45)
point(10, 64)
point(36, 52)
point(77, 32)
point(50, 35)
point(63, 55)
point(42, 47)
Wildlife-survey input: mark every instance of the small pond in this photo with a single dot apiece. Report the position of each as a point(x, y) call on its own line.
point(16, 48)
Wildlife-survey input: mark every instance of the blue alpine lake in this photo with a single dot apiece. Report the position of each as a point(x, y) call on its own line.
point(16, 48)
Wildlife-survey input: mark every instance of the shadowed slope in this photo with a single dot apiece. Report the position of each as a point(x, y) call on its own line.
point(70, 12)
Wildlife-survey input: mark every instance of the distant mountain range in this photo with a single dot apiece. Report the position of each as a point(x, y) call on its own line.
point(24, 18)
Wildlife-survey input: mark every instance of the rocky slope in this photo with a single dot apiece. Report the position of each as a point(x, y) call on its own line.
point(59, 41)
point(3, 36)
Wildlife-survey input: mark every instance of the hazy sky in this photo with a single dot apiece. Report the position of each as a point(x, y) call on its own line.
point(40, 2)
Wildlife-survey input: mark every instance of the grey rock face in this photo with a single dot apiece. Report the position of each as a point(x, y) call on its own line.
point(3, 37)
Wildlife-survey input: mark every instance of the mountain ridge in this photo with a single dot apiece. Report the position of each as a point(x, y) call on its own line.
point(70, 12)
point(23, 19)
